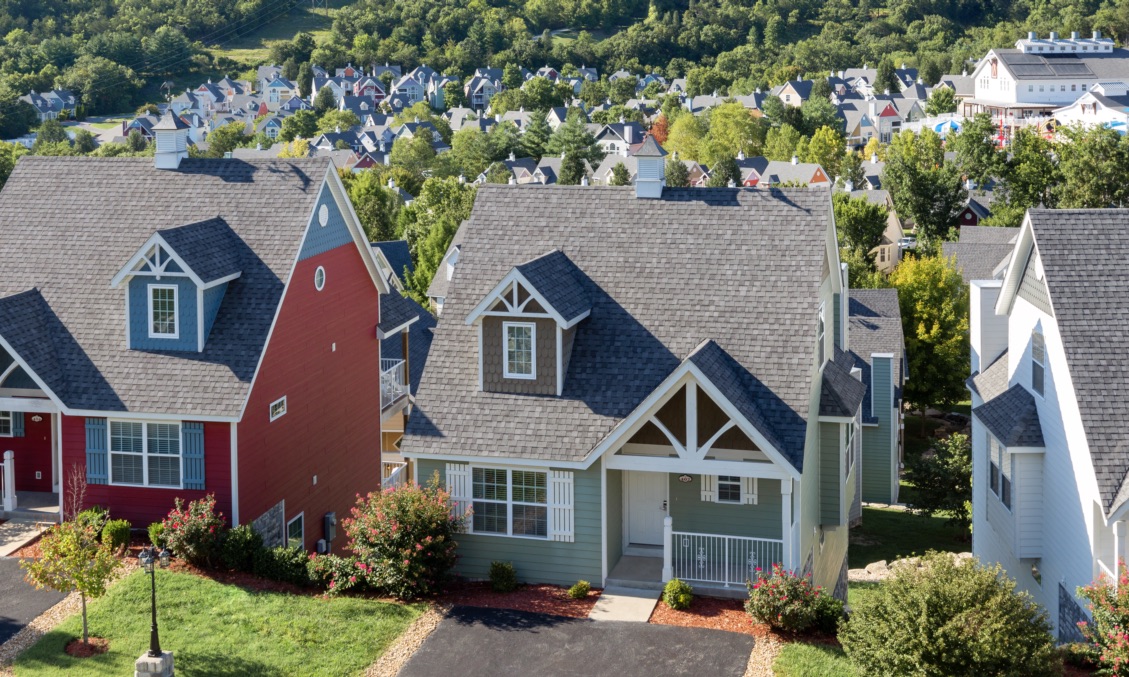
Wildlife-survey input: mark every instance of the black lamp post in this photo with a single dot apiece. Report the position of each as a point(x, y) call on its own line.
point(150, 559)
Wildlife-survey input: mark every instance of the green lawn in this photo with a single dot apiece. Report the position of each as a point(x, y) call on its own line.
point(217, 629)
point(254, 48)
point(812, 660)
point(888, 534)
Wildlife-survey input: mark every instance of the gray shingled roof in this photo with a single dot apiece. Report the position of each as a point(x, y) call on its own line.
point(122, 202)
point(420, 335)
point(649, 312)
point(875, 326)
point(210, 248)
point(398, 255)
point(988, 383)
point(557, 279)
point(396, 311)
point(841, 394)
point(1012, 418)
point(976, 261)
point(1088, 295)
point(988, 235)
point(439, 282)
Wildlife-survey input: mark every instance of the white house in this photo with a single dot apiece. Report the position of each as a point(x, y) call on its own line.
point(1106, 104)
point(1050, 394)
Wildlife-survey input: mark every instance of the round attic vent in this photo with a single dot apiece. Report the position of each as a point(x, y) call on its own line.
point(323, 216)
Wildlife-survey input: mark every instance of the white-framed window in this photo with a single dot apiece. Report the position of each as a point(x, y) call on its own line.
point(296, 532)
point(319, 278)
point(999, 471)
point(821, 335)
point(849, 451)
point(728, 489)
point(162, 311)
point(519, 357)
point(145, 454)
point(5, 424)
point(510, 502)
point(278, 408)
point(1038, 362)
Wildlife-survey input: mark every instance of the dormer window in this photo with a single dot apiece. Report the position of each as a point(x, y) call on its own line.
point(162, 311)
point(520, 358)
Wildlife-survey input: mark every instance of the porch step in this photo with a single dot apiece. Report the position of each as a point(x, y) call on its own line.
point(618, 603)
point(629, 583)
point(644, 551)
point(30, 516)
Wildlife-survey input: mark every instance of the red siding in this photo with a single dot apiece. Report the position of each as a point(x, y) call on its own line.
point(332, 425)
point(143, 505)
point(33, 454)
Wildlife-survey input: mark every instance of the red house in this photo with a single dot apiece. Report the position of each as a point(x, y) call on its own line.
point(194, 327)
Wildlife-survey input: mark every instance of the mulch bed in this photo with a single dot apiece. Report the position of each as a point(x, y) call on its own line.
point(708, 612)
point(97, 645)
point(29, 551)
point(545, 599)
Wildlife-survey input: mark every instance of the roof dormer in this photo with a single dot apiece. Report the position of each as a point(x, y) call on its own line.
point(527, 326)
point(175, 283)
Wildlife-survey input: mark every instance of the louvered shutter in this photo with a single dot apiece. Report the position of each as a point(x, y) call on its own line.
point(749, 487)
point(17, 424)
point(192, 455)
point(561, 522)
point(709, 488)
point(96, 456)
point(458, 485)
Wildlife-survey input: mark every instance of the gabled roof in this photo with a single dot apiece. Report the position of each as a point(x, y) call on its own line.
point(875, 326)
point(645, 317)
point(265, 203)
point(990, 382)
point(1012, 417)
point(649, 148)
point(396, 312)
point(556, 279)
point(988, 235)
point(840, 393)
point(210, 248)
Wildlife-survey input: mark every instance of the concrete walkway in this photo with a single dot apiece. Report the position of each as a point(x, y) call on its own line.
point(14, 534)
point(625, 604)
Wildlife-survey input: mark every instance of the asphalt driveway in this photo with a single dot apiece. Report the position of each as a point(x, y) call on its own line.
point(474, 642)
point(20, 602)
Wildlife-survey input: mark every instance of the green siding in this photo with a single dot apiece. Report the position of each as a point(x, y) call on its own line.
point(838, 318)
point(538, 561)
point(830, 487)
point(691, 513)
point(615, 517)
point(877, 441)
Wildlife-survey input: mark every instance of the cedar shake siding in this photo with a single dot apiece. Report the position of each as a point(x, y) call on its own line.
point(494, 346)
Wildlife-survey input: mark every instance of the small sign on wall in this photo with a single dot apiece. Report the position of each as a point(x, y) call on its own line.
point(685, 479)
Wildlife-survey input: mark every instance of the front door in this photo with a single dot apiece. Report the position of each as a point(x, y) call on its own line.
point(646, 507)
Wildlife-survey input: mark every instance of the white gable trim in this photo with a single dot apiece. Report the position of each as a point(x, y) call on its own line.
point(498, 292)
point(345, 206)
point(688, 374)
point(385, 266)
point(155, 239)
point(1024, 244)
point(35, 377)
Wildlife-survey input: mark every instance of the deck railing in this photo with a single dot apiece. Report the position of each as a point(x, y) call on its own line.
point(718, 558)
point(395, 474)
point(393, 381)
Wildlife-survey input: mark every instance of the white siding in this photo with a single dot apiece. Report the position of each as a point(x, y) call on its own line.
point(1027, 496)
point(987, 331)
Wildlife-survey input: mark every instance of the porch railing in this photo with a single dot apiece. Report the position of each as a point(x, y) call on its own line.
point(8, 482)
point(395, 474)
point(1104, 568)
point(717, 558)
point(393, 381)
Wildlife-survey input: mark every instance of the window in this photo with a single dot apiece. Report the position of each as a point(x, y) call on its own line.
point(145, 454)
point(849, 451)
point(5, 424)
point(999, 471)
point(728, 489)
point(1030, 88)
point(162, 311)
point(519, 358)
point(1038, 362)
point(296, 532)
point(319, 278)
point(510, 502)
point(278, 408)
point(1074, 87)
point(820, 337)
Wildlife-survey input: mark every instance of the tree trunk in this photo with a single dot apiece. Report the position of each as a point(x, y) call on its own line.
point(85, 630)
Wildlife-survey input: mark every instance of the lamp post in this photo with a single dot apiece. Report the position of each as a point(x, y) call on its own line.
point(150, 559)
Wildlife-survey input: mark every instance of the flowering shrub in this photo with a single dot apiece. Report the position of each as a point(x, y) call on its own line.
point(336, 574)
point(194, 533)
point(405, 536)
point(783, 600)
point(1109, 607)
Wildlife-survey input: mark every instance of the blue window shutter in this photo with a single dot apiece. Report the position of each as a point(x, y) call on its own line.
point(96, 461)
point(193, 454)
point(17, 424)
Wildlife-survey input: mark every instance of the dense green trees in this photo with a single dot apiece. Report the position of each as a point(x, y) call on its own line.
point(925, 189)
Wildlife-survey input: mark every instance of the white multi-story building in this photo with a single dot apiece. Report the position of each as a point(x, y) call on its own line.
point(1050, 395)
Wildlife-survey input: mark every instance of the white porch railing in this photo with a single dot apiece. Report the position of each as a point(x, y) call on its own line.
point(393, 381)
point(717, 558)
point(1104, 568)
point(8, 482)
point(395, 474)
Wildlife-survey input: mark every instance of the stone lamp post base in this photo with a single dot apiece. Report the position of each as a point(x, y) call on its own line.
point(147, 666)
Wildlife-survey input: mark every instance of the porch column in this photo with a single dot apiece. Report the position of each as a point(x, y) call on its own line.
point(786, 522)
point(9, 498)
point(668, 548)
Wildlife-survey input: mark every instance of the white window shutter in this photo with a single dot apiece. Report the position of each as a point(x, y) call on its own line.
point(561, 522)
point(749, 487)
point(709, 488)
point(458, 485)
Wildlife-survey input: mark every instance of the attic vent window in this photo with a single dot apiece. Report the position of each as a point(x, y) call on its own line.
point(162, 311)
point(323, 216)
point(319, 278)
point(278, 408)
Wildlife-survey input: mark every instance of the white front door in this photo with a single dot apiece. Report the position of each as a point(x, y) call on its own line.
point(646, 507)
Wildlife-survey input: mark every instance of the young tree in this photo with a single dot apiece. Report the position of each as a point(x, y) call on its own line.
point(731, 129)
point(295, 149)
point(934, 304)
point(428, 225)
point(324, 101)
point(302, 124)
point(511, 76)
point(677, 176)
point(620, 175)
point(136, 141)
point(72, 558)
point(859, 221)
point(942, 100)
point(498, 173)
point(572, 170)
point(826, 148)
point(305, 80)
point(84, 141)
point(453, 96)
point(942, 480)
point(470, 150)
point(51, 131)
